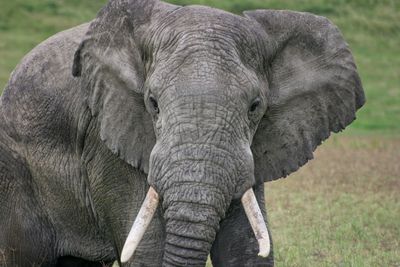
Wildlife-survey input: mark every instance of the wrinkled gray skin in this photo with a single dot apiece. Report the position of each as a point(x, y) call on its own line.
point(199, 103)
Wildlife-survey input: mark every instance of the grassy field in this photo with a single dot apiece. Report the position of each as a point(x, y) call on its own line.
point(343, 208)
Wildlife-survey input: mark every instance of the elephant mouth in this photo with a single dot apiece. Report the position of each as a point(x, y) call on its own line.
point(149, 207)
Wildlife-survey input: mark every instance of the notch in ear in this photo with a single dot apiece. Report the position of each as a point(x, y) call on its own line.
point(77, 66)
point(314, 90)
point(109, 62)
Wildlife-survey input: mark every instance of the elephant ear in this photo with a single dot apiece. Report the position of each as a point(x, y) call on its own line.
point(314, 89)
point(110, 63)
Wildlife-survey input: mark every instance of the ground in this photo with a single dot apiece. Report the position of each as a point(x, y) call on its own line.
point(341, 209)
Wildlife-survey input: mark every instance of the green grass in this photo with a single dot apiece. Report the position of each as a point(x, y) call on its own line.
point(343, 208)
point(24, 24)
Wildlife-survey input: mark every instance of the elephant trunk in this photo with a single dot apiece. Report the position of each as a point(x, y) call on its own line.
point(191, 224)
point(195, 192)
point(203, 227)
point(187, 243)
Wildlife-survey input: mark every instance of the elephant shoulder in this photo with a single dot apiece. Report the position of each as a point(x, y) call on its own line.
point(42, 96)
point(48, 66)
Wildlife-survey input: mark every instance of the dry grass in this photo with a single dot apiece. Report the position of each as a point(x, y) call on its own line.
point(342, 208)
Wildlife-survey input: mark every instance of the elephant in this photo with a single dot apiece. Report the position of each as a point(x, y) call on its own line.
point(145, 136)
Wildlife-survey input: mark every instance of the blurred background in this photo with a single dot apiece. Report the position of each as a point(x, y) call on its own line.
point(343, 207)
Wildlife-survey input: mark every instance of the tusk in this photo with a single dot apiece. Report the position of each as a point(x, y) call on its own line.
point(140, 225)
point(257, 222)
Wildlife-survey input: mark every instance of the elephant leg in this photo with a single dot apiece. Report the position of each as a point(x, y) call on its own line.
point(69, 261)
point(235, 244)
point(22, 251)
point(26, 235)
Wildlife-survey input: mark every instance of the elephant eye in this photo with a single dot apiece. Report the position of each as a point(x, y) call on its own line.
point(255, 104)
point(154, 104)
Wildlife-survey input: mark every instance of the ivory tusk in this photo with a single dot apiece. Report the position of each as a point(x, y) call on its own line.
point(140, 225)
point(257, 222)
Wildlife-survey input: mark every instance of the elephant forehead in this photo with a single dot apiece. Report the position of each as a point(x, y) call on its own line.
point(214, 33)
point(204, 79)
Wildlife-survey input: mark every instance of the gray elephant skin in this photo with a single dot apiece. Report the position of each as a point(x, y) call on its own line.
point(198, 103)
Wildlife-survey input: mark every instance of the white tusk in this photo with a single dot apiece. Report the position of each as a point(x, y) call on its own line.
point(140, 225)
point(257, 222)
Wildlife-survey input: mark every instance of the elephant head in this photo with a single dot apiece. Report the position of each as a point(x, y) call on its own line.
point(209, 104)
